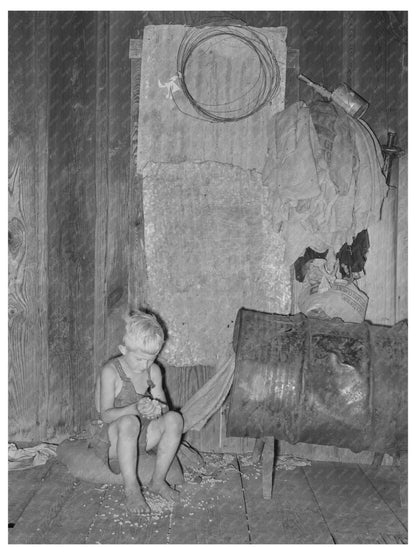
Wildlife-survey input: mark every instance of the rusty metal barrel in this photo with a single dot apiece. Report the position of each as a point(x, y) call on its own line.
point(320, 381)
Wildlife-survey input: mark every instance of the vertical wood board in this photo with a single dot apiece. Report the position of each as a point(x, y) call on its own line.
point(402, 241)
point(116, 237)
point(137, 274)
point(71, 220)
point(27, 188)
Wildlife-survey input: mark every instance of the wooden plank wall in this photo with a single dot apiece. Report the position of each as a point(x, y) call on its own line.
point(75, 225)
point(68, 213)
point(27, 188)
point(71, 219)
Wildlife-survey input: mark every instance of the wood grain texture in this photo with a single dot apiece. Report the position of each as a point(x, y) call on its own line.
point(37, 519)
point(402, 241)
point(22, 486)
point(211, 512)
point(73, 523)
point(112, 183)
point(71, 221)
point(115, 239)
point(291, 516)
point(113, 524)
point(319, 504)
point(137, 274)
point(27, 188)
point(101, 190)
point(349, 502)
point(268, 467)
point(379, 281)
point(49, 80)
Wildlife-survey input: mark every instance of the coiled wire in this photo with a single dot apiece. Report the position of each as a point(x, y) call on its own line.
point(263, 90)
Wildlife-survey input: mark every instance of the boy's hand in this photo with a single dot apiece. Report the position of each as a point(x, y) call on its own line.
point(149, 408)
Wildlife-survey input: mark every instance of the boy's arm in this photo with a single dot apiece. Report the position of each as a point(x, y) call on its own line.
point(157, 391)
point(107, 395)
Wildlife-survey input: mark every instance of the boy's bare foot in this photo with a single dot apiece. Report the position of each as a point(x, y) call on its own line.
point(114, 465)
point(135, 501)
point(163, 489)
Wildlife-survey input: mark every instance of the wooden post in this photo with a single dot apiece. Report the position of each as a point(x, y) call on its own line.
point(71, 204)
point(258, 450)
point(28, 243)
point(403, 478)
point(268, 464)
point(377, 459)
point(137, 256)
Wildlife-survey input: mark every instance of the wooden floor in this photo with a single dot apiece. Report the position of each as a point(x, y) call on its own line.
point(323, 503)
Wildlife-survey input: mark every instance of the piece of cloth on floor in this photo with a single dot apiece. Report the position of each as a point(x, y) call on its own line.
point(28, 457)
point(208, 399)
point(324, 173)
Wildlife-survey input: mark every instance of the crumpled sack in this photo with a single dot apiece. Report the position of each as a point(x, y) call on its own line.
point(28, 457)
point(343, 299)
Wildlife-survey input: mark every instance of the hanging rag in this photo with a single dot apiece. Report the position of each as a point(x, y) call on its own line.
point(324, 173)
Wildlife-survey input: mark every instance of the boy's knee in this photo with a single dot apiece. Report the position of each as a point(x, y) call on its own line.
point(173, 421)
point(129, 425)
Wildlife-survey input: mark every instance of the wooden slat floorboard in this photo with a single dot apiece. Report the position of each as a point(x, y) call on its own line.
point(72, 524)
point(290, 516)
point(113, 524)
point(350, 504)
point(22, 486)
point(34, 523)
point(386, 480)
point(369, 538)
point(342, 489)
point(323, 503)
point(212, 511)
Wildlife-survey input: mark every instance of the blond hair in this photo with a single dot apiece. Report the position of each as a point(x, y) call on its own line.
point(144, 331)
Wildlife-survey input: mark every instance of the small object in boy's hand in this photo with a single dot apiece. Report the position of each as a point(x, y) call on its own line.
point(150, 408)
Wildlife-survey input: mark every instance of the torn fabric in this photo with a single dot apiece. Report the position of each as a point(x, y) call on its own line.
point(208, 399)
point(324, 173)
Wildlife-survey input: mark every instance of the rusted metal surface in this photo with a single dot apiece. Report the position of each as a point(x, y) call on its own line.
point(320, 381)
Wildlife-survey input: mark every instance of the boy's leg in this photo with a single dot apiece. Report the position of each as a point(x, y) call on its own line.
point(166, 433)
point(123, 434)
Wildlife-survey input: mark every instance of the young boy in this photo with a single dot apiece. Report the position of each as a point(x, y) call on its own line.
point(132, 405)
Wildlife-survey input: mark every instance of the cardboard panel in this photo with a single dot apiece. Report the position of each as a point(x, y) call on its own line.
point(209, 243)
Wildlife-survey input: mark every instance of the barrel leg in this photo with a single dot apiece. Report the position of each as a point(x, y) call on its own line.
point(377, 459)
point(258, 450)
point(403, 478)
point(268, 467)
